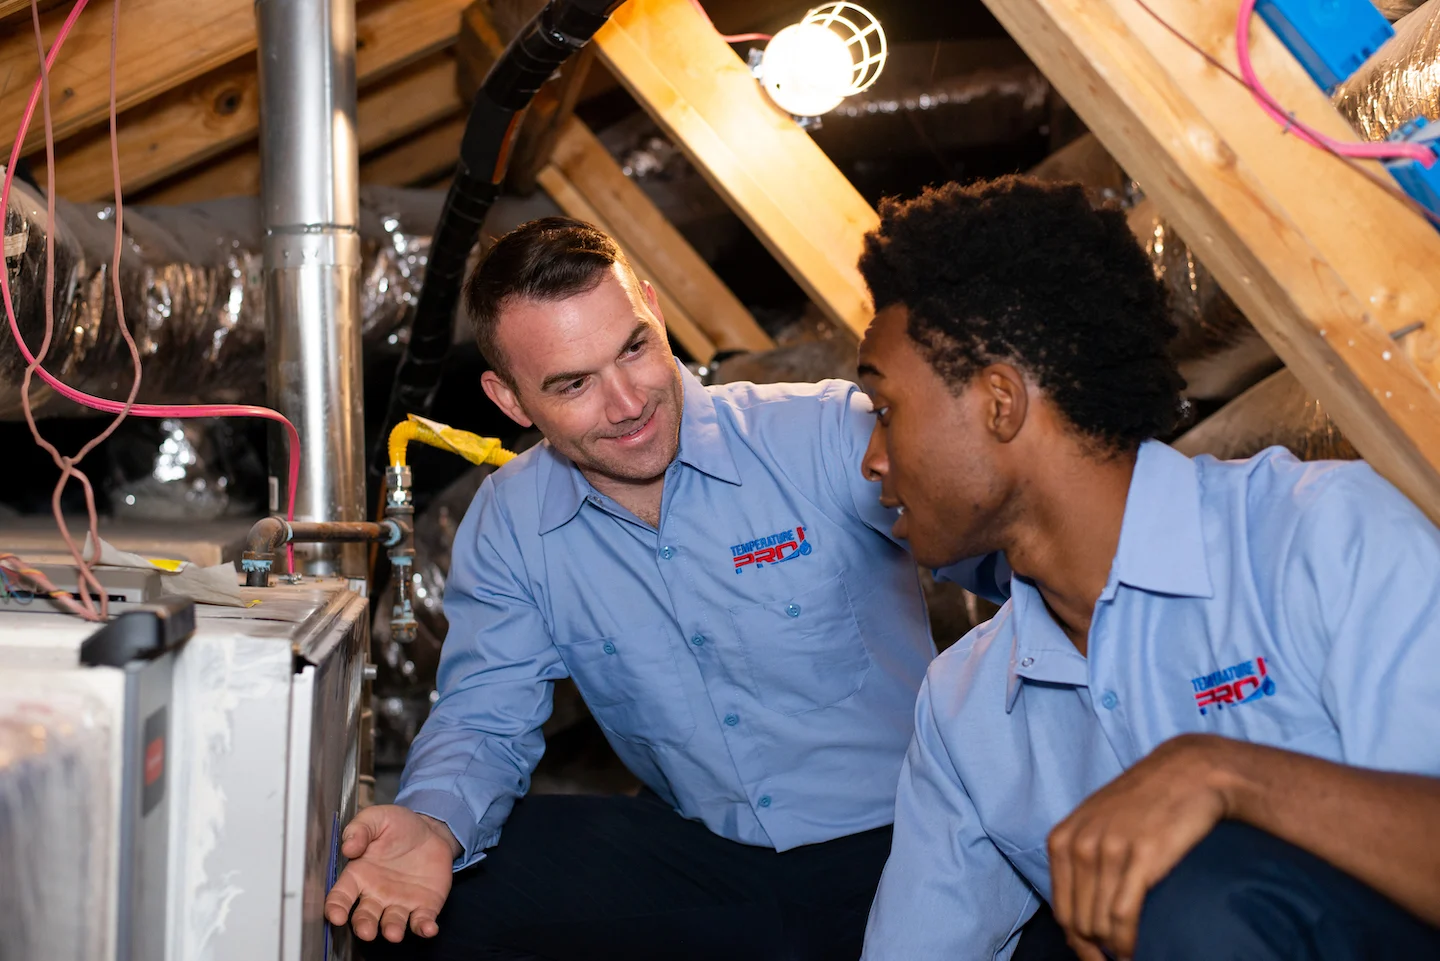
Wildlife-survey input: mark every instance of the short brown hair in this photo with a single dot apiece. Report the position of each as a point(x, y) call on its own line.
point(548, 259)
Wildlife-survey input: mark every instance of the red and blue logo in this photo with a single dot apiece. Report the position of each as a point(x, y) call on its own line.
point(1244, 682)
point(776, 549)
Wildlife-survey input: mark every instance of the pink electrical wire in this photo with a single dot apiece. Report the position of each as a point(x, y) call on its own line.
point(733, 37)
point(1369, 151)
point(109, 406)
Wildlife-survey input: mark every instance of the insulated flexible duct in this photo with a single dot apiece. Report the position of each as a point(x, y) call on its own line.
point(556, 32)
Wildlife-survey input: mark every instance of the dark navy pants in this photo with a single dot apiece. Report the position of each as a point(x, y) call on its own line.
point(579, 878)
point(1244, 894)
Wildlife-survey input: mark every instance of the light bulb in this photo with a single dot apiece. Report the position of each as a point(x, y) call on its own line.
point(807, 70)
point(809, 67)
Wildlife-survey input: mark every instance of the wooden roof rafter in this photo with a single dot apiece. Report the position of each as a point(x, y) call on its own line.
point(1325, 263)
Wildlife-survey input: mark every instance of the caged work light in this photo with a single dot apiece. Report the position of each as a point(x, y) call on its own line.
point(837, 51)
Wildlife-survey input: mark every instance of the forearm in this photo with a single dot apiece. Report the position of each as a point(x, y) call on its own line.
point(1381, 827)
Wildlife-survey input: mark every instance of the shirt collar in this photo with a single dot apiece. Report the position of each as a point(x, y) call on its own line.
point(1162, 550)
point(1162, 537)
point(702, 447)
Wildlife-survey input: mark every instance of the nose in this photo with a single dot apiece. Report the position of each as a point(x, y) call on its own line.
point(876, 462)
point(624, 400)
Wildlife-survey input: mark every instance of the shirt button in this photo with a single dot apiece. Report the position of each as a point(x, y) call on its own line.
point(1027, 662)
point(1108, 700)
point(765, 801)
point(667, 552)
point(697, 640)
point(732, 719)
point(793, 610)
point(608, 648)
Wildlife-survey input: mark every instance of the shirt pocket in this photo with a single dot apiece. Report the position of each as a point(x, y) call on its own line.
point(804, 652)
point(632, 686)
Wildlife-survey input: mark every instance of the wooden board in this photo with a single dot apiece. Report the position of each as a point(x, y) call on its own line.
point(1324, 263)
point(386, 112)
point(163, 43)
point(644, 233)
point(678, 321)
point(200, 120)
point(768, 170)
point(428, 154)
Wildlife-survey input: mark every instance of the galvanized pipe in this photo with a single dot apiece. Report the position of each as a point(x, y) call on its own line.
point(310, 212)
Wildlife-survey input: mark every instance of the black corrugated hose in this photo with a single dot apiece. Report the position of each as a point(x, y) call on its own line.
point(556, 33)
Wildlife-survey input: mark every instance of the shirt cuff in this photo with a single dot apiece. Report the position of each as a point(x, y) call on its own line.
point(451, 810)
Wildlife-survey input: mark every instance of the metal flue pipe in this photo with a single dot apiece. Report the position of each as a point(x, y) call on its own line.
point(310, 211)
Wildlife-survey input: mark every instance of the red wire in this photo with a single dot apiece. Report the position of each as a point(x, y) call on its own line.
point(1380, 181)
point(80, 397)
point(1371, 151)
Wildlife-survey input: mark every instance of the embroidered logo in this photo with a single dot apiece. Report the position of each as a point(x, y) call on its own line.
point(775, 549)
point(1245, 682)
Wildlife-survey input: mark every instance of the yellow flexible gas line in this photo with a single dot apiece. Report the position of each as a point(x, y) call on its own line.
point(472, 447)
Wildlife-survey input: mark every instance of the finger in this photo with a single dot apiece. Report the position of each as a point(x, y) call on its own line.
point(342, 897)
point(1125, 909)
point(1062, 876)
point(423, 923)
point(393, 922)
point(1114, 862)
point(1085, 950)
point(1085, 866)
point(358, 834)
point(366, 919)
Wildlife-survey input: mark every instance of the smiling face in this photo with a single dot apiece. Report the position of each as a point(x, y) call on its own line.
point(595, 374)
point(937, 454)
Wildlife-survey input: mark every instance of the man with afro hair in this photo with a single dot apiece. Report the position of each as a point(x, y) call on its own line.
point(1205, 723)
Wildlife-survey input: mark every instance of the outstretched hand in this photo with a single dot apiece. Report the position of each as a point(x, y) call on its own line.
point(1125, 838)
point(398, 875)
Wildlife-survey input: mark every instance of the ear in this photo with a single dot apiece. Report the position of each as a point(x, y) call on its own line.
point(504, 397)
point(1007, 401)
point(652, 300)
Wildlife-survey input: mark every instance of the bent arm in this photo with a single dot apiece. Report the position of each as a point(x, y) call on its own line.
point(1379, 826)
point(474, 756)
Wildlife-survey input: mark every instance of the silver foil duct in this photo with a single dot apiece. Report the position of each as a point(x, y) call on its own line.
point(1278, 411)
point(1218, 351)
point(193, 288)
point(1401, 82)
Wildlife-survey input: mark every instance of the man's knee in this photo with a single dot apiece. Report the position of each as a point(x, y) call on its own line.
point(1239, 893)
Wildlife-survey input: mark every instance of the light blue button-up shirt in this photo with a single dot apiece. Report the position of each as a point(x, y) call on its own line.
point(754, 661)
point(1267, 600)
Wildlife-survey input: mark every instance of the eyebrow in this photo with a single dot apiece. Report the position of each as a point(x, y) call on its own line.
point(566, 376)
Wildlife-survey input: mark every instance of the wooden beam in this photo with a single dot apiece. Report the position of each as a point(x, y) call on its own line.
point(401, 105)
point(163, 43)
point(1322, 261)
point(424, 156)
point(768, 170)
point(678, 321)
point(11, 10)
point(189, 125)
point(648, 237)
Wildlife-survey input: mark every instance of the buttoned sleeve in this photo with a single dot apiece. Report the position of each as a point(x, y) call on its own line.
point(848, 420)
point(473, 757)
point(947, 891)
point(1359, 591)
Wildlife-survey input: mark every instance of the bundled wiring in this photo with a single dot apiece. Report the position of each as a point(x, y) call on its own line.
point(733, 37)
point(69, 465)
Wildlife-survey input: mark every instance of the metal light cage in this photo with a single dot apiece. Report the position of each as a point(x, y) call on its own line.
point(855, 25)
